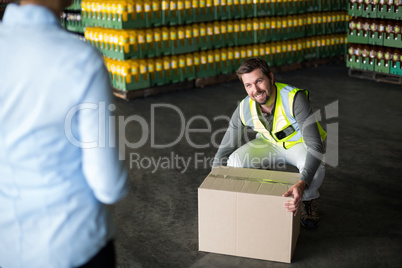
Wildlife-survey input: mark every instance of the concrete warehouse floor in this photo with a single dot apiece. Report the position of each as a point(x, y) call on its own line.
point(360, 204)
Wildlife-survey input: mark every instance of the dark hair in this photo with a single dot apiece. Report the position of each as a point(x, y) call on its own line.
point(251, 64)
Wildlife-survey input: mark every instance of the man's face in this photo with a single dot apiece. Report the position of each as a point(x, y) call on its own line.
point(258, 86)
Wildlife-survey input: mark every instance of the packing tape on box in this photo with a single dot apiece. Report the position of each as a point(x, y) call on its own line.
point(249, 179)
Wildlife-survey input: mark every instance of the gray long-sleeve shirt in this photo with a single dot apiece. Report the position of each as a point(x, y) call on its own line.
point(303, 114)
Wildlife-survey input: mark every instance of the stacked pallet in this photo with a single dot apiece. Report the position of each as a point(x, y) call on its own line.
point(150, 43)
point(375, 40)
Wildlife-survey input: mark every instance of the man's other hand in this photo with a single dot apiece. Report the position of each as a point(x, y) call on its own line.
point(296, 191)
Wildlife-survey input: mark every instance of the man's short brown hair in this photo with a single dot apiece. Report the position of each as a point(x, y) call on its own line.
point(251, 64)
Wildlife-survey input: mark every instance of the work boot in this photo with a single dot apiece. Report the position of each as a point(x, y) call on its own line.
point(309, 215)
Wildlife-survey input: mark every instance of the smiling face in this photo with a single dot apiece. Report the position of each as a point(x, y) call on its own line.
point(258, 86)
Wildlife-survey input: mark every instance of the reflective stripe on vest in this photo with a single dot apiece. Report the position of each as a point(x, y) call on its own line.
point(283, 121)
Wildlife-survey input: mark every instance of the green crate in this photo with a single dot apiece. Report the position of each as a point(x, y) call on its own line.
point(358, 36)
point(237, 11)
point(153, 18)
point(261, 10)
point(397, 13)
point(355, 10)
point(370, 11)
point(122, 83)
point(353, 61)
point(391, 40)
point(181, 46)
point(385, 12)
point(186, 15)
point(244, 37)
point(367, 64)
point(279, 8)
point(382, 66)
point(205, 70)
point(225, 66)
point(204, 14)
point(292, 7)
point(395, 68)
point(376, 38)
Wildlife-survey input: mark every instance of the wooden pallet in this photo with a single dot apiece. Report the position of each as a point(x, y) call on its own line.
point(375, 76)
point(217, 79)
point(143, 93)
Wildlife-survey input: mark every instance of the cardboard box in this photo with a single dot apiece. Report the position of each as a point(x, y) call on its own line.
point(241, 213)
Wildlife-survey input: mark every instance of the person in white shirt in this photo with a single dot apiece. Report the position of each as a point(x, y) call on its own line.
point(58, 165)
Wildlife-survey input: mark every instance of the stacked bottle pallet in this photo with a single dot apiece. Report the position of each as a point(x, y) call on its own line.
point(155, 42)
point(71, 18)
point(149, 72)
point(374, 36)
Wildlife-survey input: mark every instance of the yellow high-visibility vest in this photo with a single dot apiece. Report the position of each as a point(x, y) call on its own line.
point(285, 130)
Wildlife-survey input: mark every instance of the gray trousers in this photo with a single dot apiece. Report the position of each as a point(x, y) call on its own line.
point(259, 153)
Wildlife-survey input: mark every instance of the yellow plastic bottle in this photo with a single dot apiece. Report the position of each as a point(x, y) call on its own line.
point(236, 29)
point(84, 9)
point(230, 58)
point(156, 9)
point(217, 59)
point(149, 39)
point(181, 35)
point(230, 32)
point(256, 51)
point(165, 8)
point(210, 58)
point(196, 34)
point(151, 69)
point(223, 31)
point(143, 69)
point(119, 77)
point(188, 7)
point(196, 8)
point(250, 27)
point(180, 8)
point(173, 9)
point(203, 34)
point(210, 30)
point(112, 70)
point(126, 72)
point(217, 33)
point(102, 9)
point(182, 66)
point(237, 53)
point(173, 36)
point(166, 66)
point(196, 61)
point(243, 26)
point(203, 60)
point(224, 58)
point(188, 30)
point(141, 40)
point(274, 26)
point(268, 25)
point(189, 60)
point(157, 38)
point(133, 40)
point(96, 38)
point(249, 49)
point(139, 10)
point(243, 52)
point(125, 41)
point(135, 72)
point(159, 70)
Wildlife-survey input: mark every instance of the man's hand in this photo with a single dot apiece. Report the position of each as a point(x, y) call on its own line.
point(296, 191)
